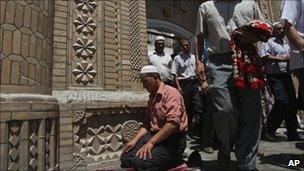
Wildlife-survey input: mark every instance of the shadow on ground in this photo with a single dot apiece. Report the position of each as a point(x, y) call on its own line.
point(282, 160)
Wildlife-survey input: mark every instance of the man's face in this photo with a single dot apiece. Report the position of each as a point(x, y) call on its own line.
point(278, 33)
point(185, 47)
point(149, 83)
point(159, 45)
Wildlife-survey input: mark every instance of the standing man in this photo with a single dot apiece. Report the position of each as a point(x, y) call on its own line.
point(237, 111)
point(161, 141)
point(183, 69)
point(293, 23)
point(275, 53)
point(162, 61)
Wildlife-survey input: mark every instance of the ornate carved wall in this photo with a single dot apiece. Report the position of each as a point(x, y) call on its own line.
point(96, 49)
point(99, 44)
point(26, 46)
point(99, 48)
point(270, 9)
point(28, 114)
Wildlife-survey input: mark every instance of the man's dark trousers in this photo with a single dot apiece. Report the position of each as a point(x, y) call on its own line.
point(165, 155)
point(285, 106)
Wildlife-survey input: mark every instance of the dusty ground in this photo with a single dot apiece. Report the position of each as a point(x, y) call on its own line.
point(275, 156)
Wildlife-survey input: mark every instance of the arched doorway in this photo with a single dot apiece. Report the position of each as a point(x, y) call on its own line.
point(172, 32)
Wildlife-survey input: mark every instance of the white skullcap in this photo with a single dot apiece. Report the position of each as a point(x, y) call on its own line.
point(159, 38)
point(149, 69)
point(277, 25)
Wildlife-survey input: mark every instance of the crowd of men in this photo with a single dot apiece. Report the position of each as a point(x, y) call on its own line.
point(245, 55)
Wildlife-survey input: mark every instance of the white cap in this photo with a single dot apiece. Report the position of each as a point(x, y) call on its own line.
point(149, 69)
point(277, 25)
point(159, 38)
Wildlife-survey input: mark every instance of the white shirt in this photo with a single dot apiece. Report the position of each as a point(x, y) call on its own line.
point(275, 47)
point(293, 12)
point(183, 66)
point(217, 19)
point(163, 64)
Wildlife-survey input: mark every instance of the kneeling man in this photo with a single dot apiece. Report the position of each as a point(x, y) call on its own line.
point(160, 142)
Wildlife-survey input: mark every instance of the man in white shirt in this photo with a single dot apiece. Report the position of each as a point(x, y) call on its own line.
point(183, 69)
point(293, 20)
point(161, 60)
point(276, 54)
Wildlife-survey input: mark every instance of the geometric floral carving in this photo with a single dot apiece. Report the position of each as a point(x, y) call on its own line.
point(13, 166)
point(135, 50)
point(33, 150)
point(14, 139)
point(33, 138)
point(84, 73)
point(85, 5)
point(33, 163)
point(129, 129)
point(95, 139)
point(85, 24)
point(13, 154)
point(78, 114)
point(100, 138)
point(33, 155)
point(79, 160)
point(84, 48)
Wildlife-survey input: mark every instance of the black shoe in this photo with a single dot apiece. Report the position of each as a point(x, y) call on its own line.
point(195, 159)
point(296, 138)
point(223, 159)
point(270, 138)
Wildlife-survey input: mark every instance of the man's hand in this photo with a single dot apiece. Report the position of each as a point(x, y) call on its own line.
point(200, 69)
point(145, 151)
point(129, 146)
point(285, 58)
point(275, 58)
point(204, 87)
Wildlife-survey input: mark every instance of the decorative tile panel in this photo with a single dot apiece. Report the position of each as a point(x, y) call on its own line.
point(84, 48)
point(14, 133)
point(84, 73)
point(85, 24)
point(33, 144)
point(102, 137)
point(86, 5)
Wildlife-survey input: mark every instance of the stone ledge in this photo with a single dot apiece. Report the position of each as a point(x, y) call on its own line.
point(8, 116)
point(93, 95)
point(28, 103)
point(97, 105)
point(26, 98)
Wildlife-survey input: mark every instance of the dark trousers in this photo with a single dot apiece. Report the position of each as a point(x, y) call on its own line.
point(208, 134)
point(285, 106)
point(192, 100)
point(165, 155)
point(300, 75)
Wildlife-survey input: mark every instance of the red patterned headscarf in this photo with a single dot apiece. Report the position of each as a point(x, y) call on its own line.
point(248, 72)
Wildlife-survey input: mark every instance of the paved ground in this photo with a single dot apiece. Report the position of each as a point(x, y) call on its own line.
point(275, 157)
